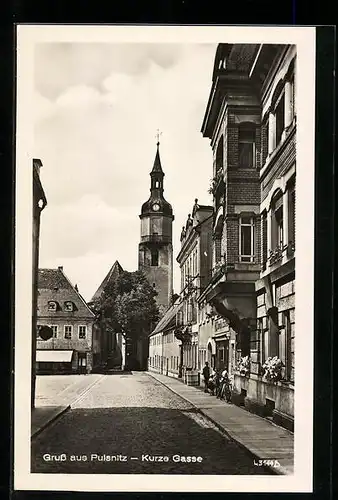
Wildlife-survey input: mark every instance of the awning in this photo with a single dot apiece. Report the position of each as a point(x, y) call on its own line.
point(53, 356)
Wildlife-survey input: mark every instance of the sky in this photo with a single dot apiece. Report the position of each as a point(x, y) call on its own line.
point(97, 110)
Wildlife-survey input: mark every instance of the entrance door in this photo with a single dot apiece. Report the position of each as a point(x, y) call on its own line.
point(82, 362)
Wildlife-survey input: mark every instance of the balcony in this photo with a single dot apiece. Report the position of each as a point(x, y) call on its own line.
point(156, 238)
point(279, 253)
point(276, 255)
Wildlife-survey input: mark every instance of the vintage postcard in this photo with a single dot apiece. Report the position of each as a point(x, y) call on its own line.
point(164, 258)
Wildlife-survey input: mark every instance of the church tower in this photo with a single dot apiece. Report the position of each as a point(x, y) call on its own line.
point(155, 248)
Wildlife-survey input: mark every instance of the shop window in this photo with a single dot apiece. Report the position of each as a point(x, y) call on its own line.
point(246, 146)
point(246, 239)
point(154, 257)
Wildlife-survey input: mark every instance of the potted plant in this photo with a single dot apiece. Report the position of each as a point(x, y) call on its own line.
point(244, 366)
point(273, 367)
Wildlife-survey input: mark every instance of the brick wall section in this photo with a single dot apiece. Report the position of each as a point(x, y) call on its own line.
point(258, 148)
point(232, 238)
point(232, 141)
point(264, 142)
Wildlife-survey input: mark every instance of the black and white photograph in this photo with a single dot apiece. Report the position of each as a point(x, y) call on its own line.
point(164, 258)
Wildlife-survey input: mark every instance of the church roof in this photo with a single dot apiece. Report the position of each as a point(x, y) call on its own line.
point(157, 167)
point(113, 274)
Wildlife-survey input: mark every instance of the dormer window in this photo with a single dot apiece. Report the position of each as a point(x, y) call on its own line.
point(69, 306)
point(52, 305)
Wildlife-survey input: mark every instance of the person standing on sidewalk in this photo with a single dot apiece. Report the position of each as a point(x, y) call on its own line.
point(206, 376)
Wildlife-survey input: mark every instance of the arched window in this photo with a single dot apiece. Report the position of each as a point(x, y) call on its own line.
point(219, 155)
point(157, 184)
point(246, 145)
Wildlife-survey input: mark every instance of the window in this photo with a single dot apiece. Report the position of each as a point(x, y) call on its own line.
point(246, 147)
point(292, 215)
point(280, 119)
point(277, 223)
point(154, 257)
point(82, 331)
point(264, 240)
point(219, 155)
point(52, 306)
point(293, 109)
point(54, 330)
point(69, 306)
point(286, 345)
point(157, 184)
point(68, 331)
point(246, 239)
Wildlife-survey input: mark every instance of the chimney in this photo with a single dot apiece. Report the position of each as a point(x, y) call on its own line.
point(60, 268)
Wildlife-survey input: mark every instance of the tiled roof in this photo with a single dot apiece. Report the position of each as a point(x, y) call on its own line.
point(53, 285)
point(52, 278)
point(168, 319)
point(113, 274)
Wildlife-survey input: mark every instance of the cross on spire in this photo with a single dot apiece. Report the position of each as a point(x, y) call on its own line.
point(158, 135)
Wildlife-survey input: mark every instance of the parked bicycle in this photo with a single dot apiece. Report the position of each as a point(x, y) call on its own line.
point(225, 387)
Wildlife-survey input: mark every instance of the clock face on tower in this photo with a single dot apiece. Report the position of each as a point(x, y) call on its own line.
point(156, 207)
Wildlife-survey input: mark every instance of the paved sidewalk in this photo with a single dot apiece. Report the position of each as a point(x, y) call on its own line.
point(43, 416)
point(262, 438)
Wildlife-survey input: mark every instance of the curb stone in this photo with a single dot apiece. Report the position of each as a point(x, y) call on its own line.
point(279, 472)
point(49, 422)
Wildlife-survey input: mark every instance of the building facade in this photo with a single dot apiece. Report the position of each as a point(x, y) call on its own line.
point(250, 121)
point(195, 260)
point(165, 350)
point(155, 248)
point(75, 344)
point(39, 203)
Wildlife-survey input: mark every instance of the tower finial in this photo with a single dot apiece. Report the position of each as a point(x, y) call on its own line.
point(158, 135)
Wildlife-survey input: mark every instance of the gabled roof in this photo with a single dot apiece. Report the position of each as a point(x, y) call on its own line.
point(113, 274)
point(53, 285)
point(169, 319)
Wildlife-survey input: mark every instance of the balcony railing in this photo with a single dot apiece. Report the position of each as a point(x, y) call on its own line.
point(156, 238)
point(277, 253)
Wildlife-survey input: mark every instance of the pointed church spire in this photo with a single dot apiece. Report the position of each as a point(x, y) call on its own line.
point(157, 163)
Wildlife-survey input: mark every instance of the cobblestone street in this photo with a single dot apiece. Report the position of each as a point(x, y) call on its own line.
point(120, 423)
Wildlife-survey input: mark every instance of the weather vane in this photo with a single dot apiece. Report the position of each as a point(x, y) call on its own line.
point(158, 135)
